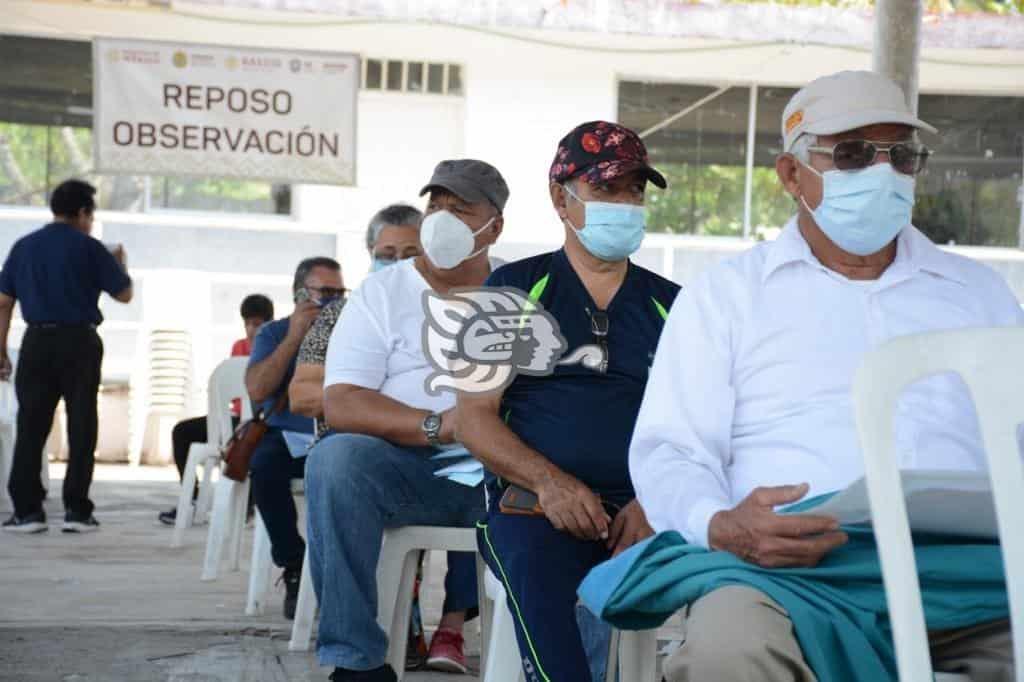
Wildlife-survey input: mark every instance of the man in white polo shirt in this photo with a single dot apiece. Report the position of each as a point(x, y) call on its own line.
point(749, 406)
point(377, 471)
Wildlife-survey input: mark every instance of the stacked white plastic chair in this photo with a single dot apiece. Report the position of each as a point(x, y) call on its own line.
point(160, 387)
point(991, 363)
point(227, 383)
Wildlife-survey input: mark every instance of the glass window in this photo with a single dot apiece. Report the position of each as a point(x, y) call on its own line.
point(771, 206)
point(701, 154)
point(373, 74)
point(435, 78)
point(395, 75)
point(234, 196)
point(968, 192)
point(415, 77)
point(454, 79)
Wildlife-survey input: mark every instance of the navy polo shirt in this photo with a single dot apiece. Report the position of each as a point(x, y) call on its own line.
point(57, 273)
point(268, 338)
point(581, 419)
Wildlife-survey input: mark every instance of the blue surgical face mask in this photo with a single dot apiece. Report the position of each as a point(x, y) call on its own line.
point(862, 211)
point(611, 231)
point(379, 264)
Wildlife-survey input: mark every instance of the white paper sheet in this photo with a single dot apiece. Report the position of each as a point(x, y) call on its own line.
point(451, 451)
point(956, 502)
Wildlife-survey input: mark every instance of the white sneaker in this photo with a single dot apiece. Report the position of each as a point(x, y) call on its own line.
point(74, 523)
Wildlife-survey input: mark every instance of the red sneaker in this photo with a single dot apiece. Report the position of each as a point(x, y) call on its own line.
point(446, 652)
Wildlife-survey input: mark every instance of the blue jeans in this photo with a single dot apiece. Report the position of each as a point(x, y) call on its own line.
point(272, 469)
point(356, 486)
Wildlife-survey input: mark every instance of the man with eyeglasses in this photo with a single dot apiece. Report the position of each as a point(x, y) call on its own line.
point(564, 437)
point(749, 404)
point(317, 283)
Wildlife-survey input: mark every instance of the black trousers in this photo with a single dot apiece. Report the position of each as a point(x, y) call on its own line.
point(53, 364)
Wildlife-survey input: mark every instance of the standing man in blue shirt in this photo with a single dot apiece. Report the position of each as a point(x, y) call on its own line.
point(57, 274)
point(565, 436)
point(271, 368)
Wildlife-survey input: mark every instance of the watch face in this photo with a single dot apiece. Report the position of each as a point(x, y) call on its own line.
point(432, 422)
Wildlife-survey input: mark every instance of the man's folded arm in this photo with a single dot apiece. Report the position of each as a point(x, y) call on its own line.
point(681, 444)
point(492, 442)
point(354, 371)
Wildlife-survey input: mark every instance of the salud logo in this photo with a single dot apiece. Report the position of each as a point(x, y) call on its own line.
point(180, 59)
point(478, 340)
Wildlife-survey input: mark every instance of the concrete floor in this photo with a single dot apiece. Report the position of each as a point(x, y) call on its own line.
point(122, 605)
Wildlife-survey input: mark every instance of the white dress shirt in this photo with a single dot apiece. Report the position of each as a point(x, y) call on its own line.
point(751, 384)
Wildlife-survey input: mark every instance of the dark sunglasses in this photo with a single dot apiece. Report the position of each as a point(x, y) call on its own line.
point(599, 328)
point(329, 292)
point(906, 157)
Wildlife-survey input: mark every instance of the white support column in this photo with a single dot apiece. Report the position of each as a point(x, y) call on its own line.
point(748, 191)
point(897, 47)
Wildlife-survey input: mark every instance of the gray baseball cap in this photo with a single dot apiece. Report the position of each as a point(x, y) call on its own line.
point(470, 180)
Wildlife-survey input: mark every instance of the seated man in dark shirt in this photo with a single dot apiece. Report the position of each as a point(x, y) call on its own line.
point(271, 367)
point(565, 436)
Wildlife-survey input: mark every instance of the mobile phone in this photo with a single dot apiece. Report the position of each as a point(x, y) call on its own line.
point(302, 295)
point(518, 500)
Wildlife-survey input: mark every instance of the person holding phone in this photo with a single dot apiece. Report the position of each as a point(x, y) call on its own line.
point(317, 282)
point(562, 501)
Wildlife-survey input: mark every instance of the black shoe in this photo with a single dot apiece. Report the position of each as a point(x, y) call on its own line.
point(291, 578)
point(382, 674)
point(31, 523)
point(169, 517)
point(80, 523)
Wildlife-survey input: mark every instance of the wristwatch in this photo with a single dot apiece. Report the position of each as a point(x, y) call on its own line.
point(432, 428)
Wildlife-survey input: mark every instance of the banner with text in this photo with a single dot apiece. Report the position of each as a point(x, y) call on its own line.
point(179, 109)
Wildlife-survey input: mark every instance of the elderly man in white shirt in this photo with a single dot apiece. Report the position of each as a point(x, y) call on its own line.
point(749, 404)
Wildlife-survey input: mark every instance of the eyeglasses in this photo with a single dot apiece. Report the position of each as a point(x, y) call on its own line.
point(599, 328)
point(906, 157)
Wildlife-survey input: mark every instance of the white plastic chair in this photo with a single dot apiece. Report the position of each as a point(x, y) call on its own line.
point(227, 383)
point(396, 577)
point(8, 434)
point(261, 566)
point(633, 653)
point(991, 363)
point(227, 523)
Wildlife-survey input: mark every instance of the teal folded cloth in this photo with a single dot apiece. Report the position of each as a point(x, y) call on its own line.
point(838, 608)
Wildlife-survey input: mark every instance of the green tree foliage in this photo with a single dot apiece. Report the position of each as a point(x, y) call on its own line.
point(708, 200)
